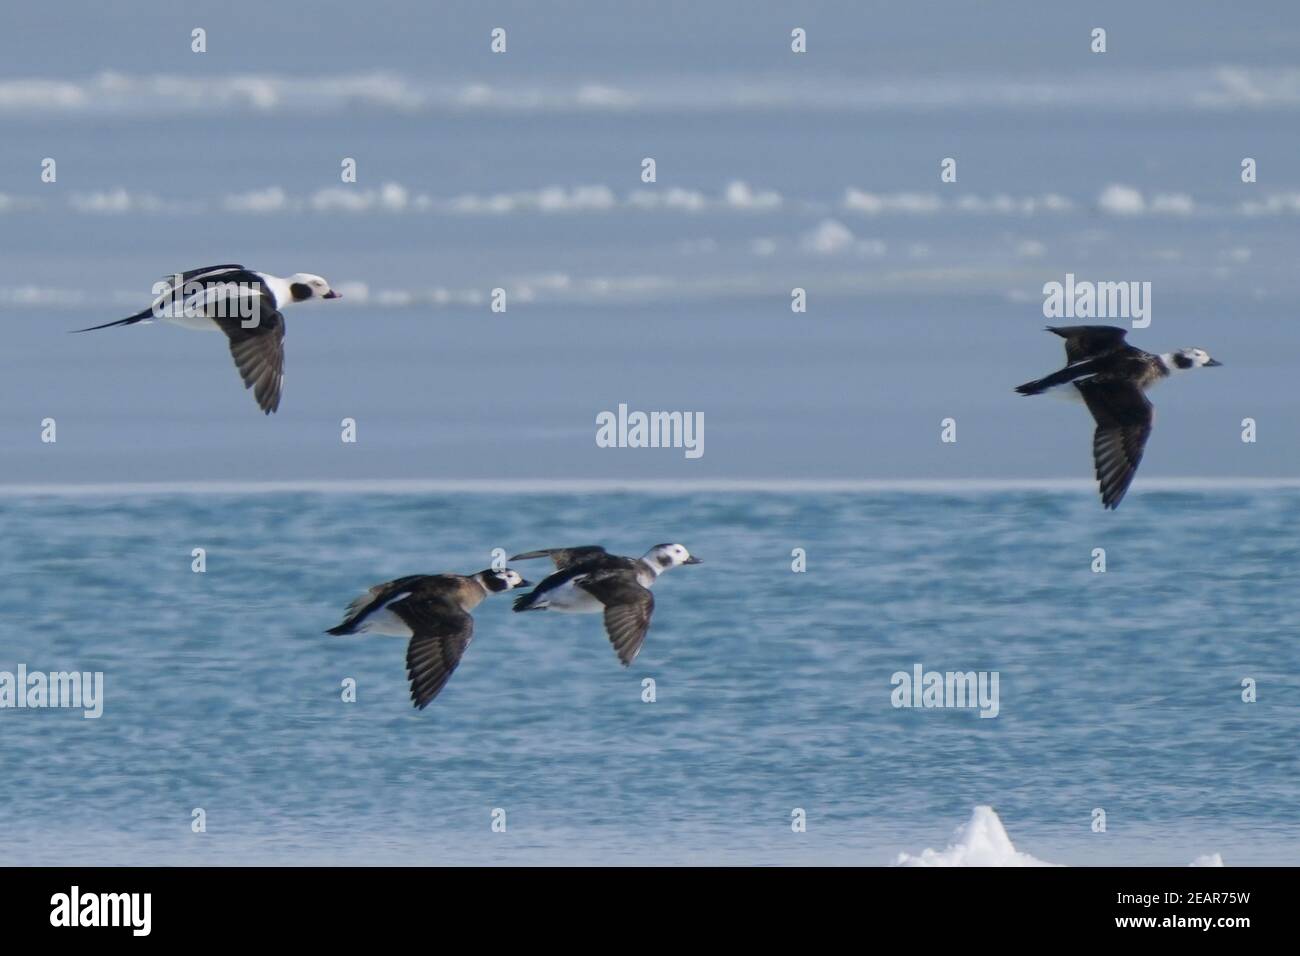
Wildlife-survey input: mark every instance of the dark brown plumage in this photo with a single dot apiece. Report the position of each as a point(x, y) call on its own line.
point(590, 580)
point(565, 557)
point(259, 355)
point(433, 610)
point(1111, 377)
point(1124, 418)
point(628, 607)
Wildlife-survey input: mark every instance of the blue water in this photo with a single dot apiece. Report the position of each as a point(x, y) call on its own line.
point(522, 172)
point(1118, 690)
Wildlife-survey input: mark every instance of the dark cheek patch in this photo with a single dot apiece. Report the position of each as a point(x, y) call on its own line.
point(1182, 361)
point(300, 291)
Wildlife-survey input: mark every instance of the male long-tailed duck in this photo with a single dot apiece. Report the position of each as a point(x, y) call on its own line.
point(590, 580)
point(1110, 376)
point(433, 611)
point(246, 306)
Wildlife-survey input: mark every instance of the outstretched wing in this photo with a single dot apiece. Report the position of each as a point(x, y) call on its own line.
point(628, 607)
point(1124, 418)
point(564, 557)
point(1087, 341)
point(258, 352)
point(441, 633)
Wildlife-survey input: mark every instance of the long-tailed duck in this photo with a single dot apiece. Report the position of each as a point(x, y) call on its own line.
point(433, 611)
point(1110, 376)
point(246, 306)
point(590, 580)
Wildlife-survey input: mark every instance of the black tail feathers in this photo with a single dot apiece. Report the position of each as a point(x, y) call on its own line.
point(129, 320)
point(1067, 374)
point(525, 602)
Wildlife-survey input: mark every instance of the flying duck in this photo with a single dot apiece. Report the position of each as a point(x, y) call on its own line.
point(1110, 377)
point(590, 580)
point(433, 611)
point(246, 306)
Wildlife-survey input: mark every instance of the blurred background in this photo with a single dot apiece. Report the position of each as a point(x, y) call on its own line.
point(522, 171)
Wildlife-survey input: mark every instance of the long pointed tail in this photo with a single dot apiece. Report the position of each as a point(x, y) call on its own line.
point(1033, 388)
point(344, 628)
point(129, 320)
point(525, 602)
point(1067, 374)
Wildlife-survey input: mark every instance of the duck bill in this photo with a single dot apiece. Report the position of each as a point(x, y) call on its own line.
point(692, 560)
point(1212, 362)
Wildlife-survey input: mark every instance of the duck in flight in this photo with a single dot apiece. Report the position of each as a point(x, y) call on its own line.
point(245, 305)
point(590, 580)
point(1111, 377)
point(433, 610)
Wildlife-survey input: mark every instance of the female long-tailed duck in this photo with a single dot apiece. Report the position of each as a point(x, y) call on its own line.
point(1110, 377)
point(246, 306)
point(433, 611)
point(590, 580)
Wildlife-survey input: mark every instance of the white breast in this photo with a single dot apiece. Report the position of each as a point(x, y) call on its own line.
point(200, 323)
point(1067, 392)
point(570, 599)
point(385, 621)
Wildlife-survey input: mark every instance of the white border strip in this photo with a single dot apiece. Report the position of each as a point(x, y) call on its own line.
point(559, 486)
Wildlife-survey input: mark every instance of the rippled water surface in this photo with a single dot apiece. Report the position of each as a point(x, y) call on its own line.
point(1119, 690)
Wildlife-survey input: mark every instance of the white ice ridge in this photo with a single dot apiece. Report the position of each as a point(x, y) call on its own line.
point(113, 93)
point(980, 841)
point(648, 486)
point(1116, 199)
